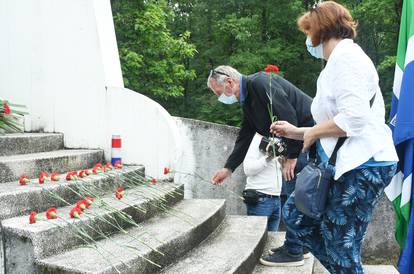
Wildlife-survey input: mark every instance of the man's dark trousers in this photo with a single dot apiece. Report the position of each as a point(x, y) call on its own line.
point(292, 243)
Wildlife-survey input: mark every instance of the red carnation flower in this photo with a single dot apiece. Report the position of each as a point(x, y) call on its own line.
point(23, 180)
point(51, 213)
point(75, 212)
point(119, 193)
point(83, 204)
point(33, 217)
point(72, 176)
point(43, 176)
point(83, 173)
point(118, 164)
point(55, 177)
point(153, 181)
point(6, 108)
point(272, 68)
point(97, 168)
point(166, 170)
point(89, 200)
point(109, 166)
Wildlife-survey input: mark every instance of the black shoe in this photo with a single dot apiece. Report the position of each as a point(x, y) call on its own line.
point(276, 249)
point(282, 258)
point(306, 252)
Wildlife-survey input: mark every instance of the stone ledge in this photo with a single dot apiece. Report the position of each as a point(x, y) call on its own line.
point(18, 200)
point(24, 143)
point(168, 234)
point(12, 167)
point(369, 269)
point(25, 243)
point(234, 247)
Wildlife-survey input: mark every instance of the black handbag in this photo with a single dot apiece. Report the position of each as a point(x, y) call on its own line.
point(250, 197)
point(313, 182)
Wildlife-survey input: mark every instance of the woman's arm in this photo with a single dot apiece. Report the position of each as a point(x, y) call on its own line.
point(321, 130)
point(326, 129)
point(308, 134)
point(287, 130)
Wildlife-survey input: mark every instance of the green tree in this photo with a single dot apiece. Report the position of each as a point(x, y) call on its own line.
point(152, 57)
point(158, 41)
point(247, 35)
point(378, 29)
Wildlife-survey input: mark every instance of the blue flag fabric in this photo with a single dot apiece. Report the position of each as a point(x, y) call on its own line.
point(401, 189)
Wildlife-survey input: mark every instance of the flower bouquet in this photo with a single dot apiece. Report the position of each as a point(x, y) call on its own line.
point(11, 117)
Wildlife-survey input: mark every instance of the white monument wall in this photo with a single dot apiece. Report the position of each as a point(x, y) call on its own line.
point(60, 59)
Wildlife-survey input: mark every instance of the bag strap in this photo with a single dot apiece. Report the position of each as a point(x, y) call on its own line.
point(341, 140)
point(313, 152)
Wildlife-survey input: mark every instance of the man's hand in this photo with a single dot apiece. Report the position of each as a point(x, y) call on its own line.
point(220, 176)
point(288, 170)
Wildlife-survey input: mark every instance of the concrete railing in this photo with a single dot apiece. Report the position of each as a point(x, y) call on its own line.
point(207, 146)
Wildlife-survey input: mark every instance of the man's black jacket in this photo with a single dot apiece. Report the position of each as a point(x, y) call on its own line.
point(289, 104)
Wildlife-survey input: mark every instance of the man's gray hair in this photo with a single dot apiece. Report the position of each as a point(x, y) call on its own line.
point(220, 74)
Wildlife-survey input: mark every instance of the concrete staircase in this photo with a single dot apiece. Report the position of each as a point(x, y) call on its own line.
point(160, 229)
point(152, 229)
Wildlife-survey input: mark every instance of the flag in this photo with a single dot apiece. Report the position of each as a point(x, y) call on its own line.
point(400, 191)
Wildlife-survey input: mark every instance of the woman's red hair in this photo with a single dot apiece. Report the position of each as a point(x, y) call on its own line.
point(327, 20)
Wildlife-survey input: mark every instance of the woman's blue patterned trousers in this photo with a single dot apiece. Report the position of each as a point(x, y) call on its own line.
point(335, 240)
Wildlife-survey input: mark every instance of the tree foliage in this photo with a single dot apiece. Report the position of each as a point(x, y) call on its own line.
point(164, 44)
point(152, 56)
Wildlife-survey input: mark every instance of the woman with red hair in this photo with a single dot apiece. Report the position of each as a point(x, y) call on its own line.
point(348, 103)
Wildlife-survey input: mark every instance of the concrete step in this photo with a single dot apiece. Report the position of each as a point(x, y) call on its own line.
point(234, 247)
point(318, 268)
point(16, 200)
point(380, 269)
point(24, 243)
point(167, 233)
point(12, 167)
point(24, 143)
point(276, 239)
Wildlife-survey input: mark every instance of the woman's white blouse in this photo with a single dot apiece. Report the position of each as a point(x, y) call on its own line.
point(344, 89)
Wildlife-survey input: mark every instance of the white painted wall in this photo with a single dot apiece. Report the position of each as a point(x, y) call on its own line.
point(149, 134)
point(60, 59)
point(51, 61)
point(107, 44)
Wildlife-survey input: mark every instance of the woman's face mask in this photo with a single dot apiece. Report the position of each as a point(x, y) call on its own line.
point(317, 51)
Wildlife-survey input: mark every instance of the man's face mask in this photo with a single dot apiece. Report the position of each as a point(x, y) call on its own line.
point(228, 100)
point(317, 51)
